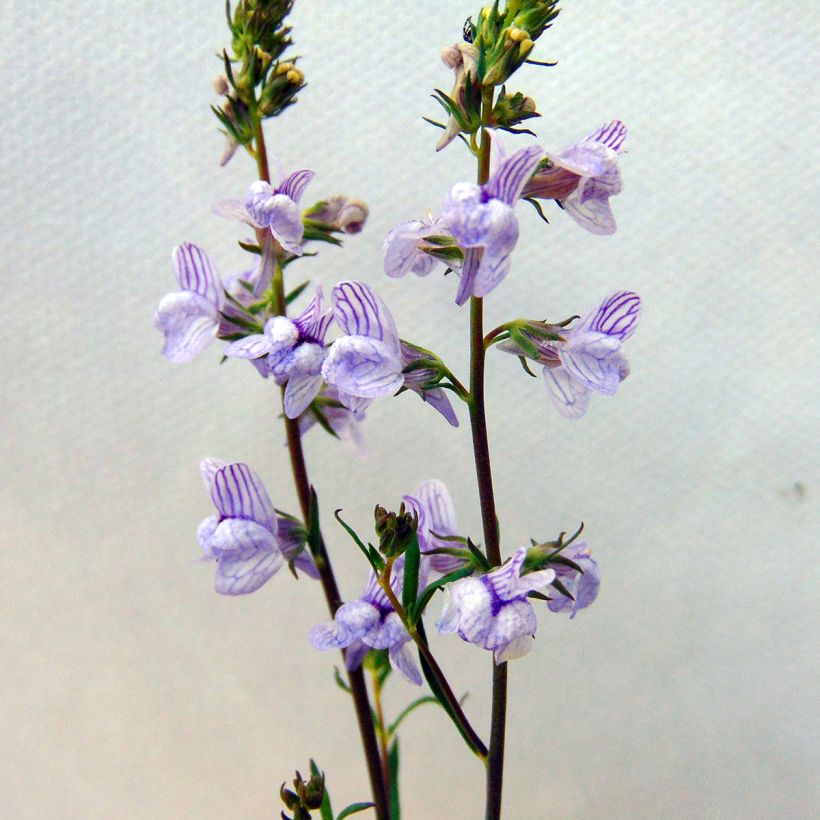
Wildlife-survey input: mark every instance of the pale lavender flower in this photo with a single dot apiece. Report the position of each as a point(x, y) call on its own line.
point(190, 318)
point(294, 351)
point(273, 208)
point(437, 519)
point(342, 213)
point(493, 612)
point(244, 538)
point(583, 177)
point(370, 623)
point(482, 220)
point(591, 357)
point(403, 247)
point(583, 586)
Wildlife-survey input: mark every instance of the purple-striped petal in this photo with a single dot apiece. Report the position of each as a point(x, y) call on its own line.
point(294, 184)
point(285, 223)
point(467, 610)
point(239, 535)
point(195, 272)
point(441, 514)
point(617, 316)
point(301, 390)
point(595, 360)
point(512, 630)
point(401, 249)
point(513, 173)
point(208, 468)
point(472, 261)
point(352, 621)
point(245, 572)
point(495, 263)
point(363, 367)
point(569, 397)
point(205, 533)
point(360, 311)
point(238, 492)
point(612, 134)
point(188, 321)
point(251, 347)
point(507, 583)
point(403, 658)
point(594, 215)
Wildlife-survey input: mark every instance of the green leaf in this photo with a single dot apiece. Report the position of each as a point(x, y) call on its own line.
point(393, 766)
point(325, 809)
point(250, 247)
point(391, 730)
point(314, 536)
point(367, 553)
point(340, 681)
point(526, 367)
point(412, 559)
point(295, 293)
point(353, 808)
point(562, 589)
point(321, 420)
point(479, 556)
point(418, 609)
point(538, 209)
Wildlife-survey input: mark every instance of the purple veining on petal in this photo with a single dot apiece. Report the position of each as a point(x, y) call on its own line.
point(294, 184)
point(195, 272)
point(513, 173)
point(612, 134)
point(359, 311)
point(568, 396)
point(617, 316)
point(238, 492)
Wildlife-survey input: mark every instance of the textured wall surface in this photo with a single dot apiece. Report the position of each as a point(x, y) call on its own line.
point(129, 689)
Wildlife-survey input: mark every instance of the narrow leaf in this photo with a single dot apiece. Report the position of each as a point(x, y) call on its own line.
point(412, 559)
point(352, 533)
point(393, 766)
point(391, 730)
point(295, 293)
point(353, 808)
point(314, 534)
point(340, 681)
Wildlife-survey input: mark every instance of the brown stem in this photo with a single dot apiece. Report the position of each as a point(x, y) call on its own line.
point(358, 687)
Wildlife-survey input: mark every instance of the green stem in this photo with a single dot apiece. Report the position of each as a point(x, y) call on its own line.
point(484, 476)
point(474, 741)
point(358, 687)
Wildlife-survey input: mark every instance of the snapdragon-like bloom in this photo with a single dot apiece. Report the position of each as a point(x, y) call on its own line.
point(437, 519)
point(370, 623)
point(583, 177)
point(294, 351)
point(591, 359)
point(482, 220)
point(346, 424)
point(275, 209)
point(404, 246)
point(245, 537)
point(415, 380)
point(583, 586)
point(190, 318)
point(493, 612)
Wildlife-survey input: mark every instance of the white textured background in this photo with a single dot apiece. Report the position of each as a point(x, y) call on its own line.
point(129, 689)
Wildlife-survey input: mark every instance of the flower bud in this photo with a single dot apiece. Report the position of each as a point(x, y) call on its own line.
point(395, 530)
point(220, 85)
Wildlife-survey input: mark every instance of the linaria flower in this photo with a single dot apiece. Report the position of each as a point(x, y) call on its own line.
point(463, 59)
point(481, 218)
point(273, 208)
point(370, 623)
point(437, 519)
point(493, 612)
point(583, 177)
point(582, 586)
point(404, 246)
point(341, 213)
point(244, 538)
point(591, 357)
point(366, 362)
point(294, 351)
point(190, 318)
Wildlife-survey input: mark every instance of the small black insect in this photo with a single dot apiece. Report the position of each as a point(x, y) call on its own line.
point(469, 30)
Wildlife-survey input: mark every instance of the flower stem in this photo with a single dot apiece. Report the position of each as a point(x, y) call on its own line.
point(457, 713)
point(484, 476)
point(358, 687)
point(381, 728)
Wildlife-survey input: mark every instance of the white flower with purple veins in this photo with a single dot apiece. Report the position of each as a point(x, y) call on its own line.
point(190, 318)
point(294, 351)
point(370, 623)
point(246, 538)
point(493, 612)
point(366, 362)
point(273, 208)
point(583, 177)
point(437, 519)
point(481, 218)
point(404, 250)
point(583, 586)
point(591, 359)
point(415, 380)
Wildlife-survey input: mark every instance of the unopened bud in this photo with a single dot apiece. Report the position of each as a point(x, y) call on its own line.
point(295, 76)
point(395, 530)
point(525, 48)
point(517, 35)
point(220, 85)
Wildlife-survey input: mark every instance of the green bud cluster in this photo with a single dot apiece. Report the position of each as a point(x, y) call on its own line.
point(308, 796)
point(257, 83)
point(505, 38)
point(395, 530)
